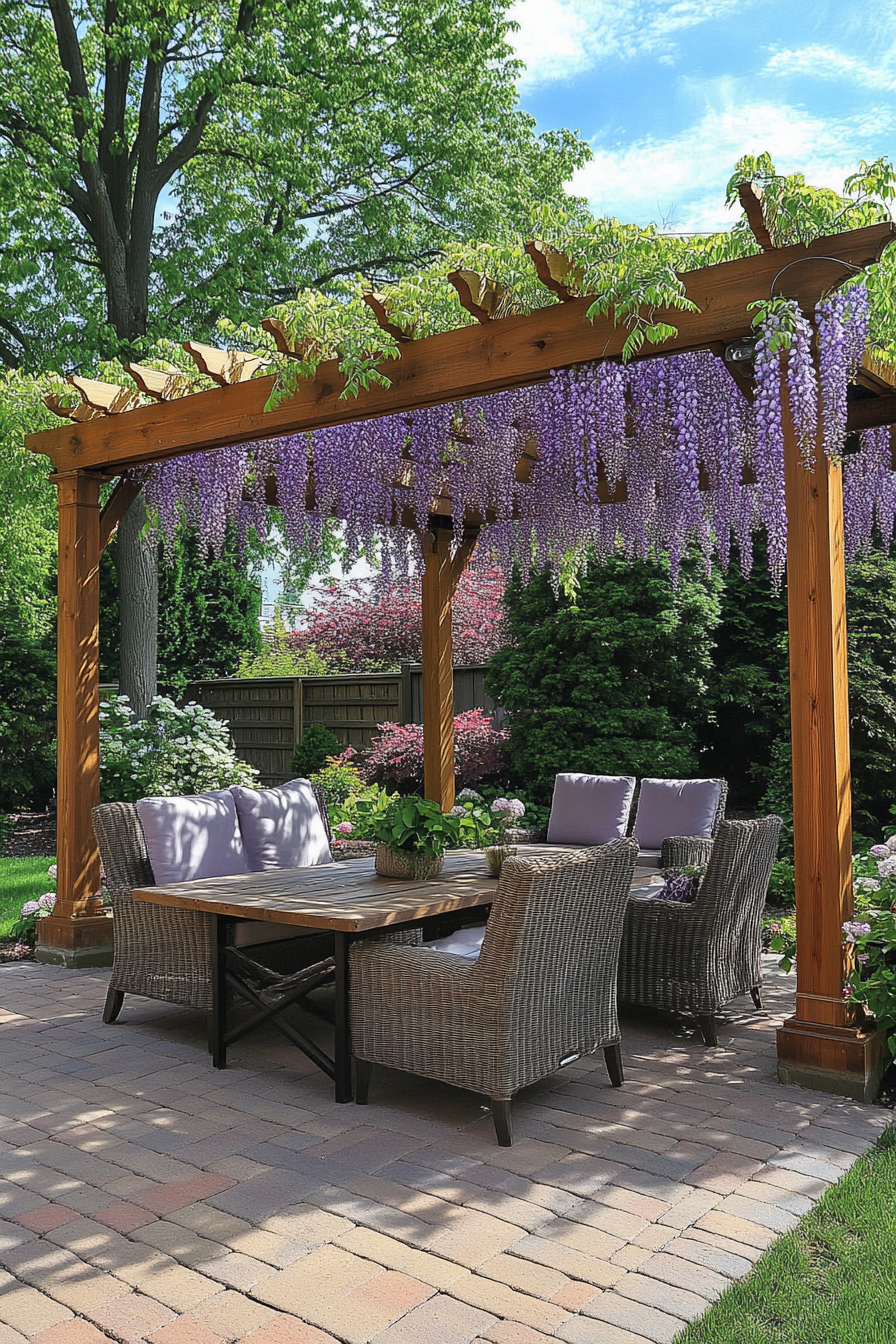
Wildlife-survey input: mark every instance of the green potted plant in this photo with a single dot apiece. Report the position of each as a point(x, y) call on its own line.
point(412, 835)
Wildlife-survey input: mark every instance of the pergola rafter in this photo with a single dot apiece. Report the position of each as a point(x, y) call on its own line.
point(822, 1044)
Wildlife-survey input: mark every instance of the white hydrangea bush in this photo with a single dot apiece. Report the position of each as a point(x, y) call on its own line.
point(173, 750)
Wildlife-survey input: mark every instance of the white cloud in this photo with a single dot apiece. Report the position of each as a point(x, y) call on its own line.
point(562, 38)
point(828, 63)
point(681, 180)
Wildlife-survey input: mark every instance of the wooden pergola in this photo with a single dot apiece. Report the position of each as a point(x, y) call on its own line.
point(822, 1045)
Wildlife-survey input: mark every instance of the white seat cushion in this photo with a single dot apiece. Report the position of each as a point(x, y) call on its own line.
point(675, 807)
point(464, 943)
point(590, 809)
point(281, 828)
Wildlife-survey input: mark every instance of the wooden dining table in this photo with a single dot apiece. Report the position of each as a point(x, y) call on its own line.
point(349, 899)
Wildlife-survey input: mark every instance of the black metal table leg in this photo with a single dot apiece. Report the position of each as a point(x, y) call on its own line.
point(218, 1033)
point(343, 1050)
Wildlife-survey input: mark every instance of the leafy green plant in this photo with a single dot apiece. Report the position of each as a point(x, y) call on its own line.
point(781, 888)
point(411, 825)
point(871, 945)
point(783, 941)
point(170, 751)
point(317, 744)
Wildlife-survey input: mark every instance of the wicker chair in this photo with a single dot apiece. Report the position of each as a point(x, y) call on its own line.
point(159, 952)
point(696, 958)
point(542, 992)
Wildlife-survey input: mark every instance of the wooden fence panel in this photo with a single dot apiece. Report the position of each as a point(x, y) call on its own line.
point(265, 718)
point(267, 715)
point(353, 706)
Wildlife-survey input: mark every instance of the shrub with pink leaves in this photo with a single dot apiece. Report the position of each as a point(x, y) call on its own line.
point(359, 627)
point(396, 752)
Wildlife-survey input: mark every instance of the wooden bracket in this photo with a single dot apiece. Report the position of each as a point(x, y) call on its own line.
point(486, 299)
point(161, 384)
point(555, 270)
point(224, 366)
point(752, 198)
point(116, 506)
point(464, 554)
point(379, 306)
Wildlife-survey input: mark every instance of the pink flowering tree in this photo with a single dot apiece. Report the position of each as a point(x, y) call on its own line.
point(396, 752)
point(359, 626)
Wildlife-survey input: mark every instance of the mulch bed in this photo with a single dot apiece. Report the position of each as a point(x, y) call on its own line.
point(33, 835)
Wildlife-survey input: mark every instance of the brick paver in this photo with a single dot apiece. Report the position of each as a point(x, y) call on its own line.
point(147, 1198)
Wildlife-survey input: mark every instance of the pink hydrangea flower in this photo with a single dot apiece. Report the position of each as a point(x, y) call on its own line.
point(345, 828)
point(879, 851)
point(30, 908)
point(52, 870)
point(47, 901)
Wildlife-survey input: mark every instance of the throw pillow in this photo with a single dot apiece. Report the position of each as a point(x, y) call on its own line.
point(281, 828)
point(192, 836)
point(590, 809)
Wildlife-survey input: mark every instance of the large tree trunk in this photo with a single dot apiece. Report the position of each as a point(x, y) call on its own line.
point(136, 559)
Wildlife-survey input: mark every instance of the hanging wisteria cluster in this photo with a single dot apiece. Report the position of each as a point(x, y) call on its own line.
point(601, 458)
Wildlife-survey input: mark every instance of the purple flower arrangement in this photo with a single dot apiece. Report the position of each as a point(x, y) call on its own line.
point(671, 441)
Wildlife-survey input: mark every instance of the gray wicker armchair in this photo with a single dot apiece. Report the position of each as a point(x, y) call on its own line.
point(159, 952)
point(696, 958)
point(542, 992)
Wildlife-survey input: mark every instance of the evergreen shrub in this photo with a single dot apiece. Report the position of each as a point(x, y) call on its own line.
point(610, 679)
point(318, 742)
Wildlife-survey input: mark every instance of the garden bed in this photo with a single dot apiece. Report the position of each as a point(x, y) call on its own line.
point(33, 835)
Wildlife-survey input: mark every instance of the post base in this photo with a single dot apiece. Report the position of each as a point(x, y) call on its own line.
point(79, 942)
point(848, 1061)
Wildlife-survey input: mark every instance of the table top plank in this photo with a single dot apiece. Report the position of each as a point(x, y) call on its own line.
point(350, 896)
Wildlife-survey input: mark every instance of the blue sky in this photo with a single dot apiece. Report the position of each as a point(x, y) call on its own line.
point(669, 93)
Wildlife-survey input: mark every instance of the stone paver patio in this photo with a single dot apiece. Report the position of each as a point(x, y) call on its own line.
point(146, 1197)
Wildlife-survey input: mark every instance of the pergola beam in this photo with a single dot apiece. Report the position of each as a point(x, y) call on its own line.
point(471, 361)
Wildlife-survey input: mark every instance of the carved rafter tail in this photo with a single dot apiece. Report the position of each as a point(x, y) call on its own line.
point(105, 398)
point(486, 299)
point(752, 198)
point(379, 306)
point(555, 270)
point(286, 344)
point(81, 412)
point(224, 366)
point(161, 385)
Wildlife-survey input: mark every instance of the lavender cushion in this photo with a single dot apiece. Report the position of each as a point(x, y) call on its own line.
point(281, 828)
point(676, 807)
point(192, 836)
point(590, 809)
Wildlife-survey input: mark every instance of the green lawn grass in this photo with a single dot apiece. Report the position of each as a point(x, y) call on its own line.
point(832, 1280)
point(21, 880)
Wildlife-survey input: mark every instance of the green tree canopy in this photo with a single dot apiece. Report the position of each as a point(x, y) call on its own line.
point(162, 166)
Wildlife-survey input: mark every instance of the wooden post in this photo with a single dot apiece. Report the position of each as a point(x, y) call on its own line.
point(78, 933)
point(820, 1046)
point(438, 673)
